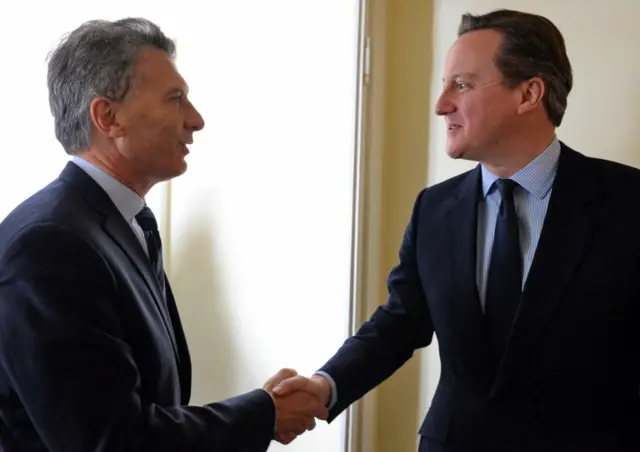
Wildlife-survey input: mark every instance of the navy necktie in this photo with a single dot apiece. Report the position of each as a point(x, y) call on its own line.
point(149, 225)
point(504, 281)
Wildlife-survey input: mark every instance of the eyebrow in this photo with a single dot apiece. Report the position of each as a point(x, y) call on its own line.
point(467, 75)
point(176, 90)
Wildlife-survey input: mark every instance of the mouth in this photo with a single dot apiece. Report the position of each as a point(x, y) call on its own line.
point(453, 127)
point(185, 149)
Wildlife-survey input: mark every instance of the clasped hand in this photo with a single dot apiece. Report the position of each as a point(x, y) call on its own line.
point(299, 402)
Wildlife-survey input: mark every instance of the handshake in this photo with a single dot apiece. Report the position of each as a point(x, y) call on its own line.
point(299, 401)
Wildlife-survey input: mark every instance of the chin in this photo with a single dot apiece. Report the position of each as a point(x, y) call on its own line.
point(455, 152)
point(172, 172)
point(459, 152)
point(180, 166)
point(179, 171)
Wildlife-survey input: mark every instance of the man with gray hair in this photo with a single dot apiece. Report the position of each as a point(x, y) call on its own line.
point(92, 352)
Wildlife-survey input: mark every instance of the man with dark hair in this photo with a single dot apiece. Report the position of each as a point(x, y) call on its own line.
point(92, 352)
point(526, 268)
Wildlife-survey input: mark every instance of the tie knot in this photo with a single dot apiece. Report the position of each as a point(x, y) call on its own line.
point(505, 187)
point(147, 220)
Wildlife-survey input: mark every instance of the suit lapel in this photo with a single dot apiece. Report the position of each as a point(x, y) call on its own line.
point(116, 226)
point(122, 234)
point(461, 221)
point(566, 235)
point(185, 359)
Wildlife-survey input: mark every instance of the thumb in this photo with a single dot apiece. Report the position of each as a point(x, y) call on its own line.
point(291, 385)
point(282, 374)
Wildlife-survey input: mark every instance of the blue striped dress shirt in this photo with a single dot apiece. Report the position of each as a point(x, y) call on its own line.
point(531, 198)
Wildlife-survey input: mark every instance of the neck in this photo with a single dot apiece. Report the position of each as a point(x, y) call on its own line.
point(517, 155)
point(123, 172)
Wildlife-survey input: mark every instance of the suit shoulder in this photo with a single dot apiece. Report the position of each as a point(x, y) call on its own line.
point(618, 178)
point(614, 169)
point(56, 206)
point(616, 185)
point(442, 190)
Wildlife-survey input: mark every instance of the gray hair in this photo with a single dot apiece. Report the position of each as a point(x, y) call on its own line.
point(97, 59)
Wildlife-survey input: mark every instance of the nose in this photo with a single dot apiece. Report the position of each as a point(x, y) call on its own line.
point(444, 104)
point(195, 121)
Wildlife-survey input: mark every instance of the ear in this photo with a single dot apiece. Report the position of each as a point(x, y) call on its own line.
point(103, 114)
point(532, 92)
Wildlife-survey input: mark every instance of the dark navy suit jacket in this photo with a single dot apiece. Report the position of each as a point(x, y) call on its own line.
point(92, 356)
point(569, 377)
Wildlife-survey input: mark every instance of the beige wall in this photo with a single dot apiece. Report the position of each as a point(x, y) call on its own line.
point(406, 136)
point(411, 38)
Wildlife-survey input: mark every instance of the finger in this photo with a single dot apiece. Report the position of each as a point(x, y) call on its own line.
point(321, 412)
point(285, 438)
point(313, 407)
point(311, 425)
point(281, 375)
point(300, 428)
point(290, 385)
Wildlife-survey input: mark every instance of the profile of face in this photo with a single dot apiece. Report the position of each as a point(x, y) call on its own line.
point(155, 122)
point(479, 109)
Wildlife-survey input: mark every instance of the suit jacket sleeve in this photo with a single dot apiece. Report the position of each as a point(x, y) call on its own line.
point(63, 350)
point(389, 338)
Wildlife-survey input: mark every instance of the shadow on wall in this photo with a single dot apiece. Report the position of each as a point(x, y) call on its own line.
point(197, 282)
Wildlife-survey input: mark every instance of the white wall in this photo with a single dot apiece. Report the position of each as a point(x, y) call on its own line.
point(261, 232)
point(258, 235)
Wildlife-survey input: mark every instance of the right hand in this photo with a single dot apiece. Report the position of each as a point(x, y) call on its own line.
point(318, 386)
point(296, 413)
point(296, 410)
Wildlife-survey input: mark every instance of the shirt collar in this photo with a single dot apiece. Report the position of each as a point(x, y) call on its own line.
point(537, 177)
point(128, 202)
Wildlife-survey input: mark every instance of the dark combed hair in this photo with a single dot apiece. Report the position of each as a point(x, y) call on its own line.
point(532, 46)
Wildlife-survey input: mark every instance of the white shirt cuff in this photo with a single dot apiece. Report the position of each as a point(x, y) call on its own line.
point(333, 399)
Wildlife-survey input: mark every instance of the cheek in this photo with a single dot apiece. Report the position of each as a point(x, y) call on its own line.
point(474, 117)
point(483, 117)
point(162, 134)
point(165, 134)
point(154, 134)
point(144, 132)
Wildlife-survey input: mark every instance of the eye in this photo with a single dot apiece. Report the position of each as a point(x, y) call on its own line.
point(461, 86)
point(177, 98)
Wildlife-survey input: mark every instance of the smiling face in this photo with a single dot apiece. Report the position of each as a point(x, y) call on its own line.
point(479, 109)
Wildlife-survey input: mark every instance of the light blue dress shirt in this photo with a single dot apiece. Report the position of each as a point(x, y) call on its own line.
point(531, 198)
point(128, 202)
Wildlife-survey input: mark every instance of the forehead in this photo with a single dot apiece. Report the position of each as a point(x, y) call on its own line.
point(157, 70)
point(473, 53)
